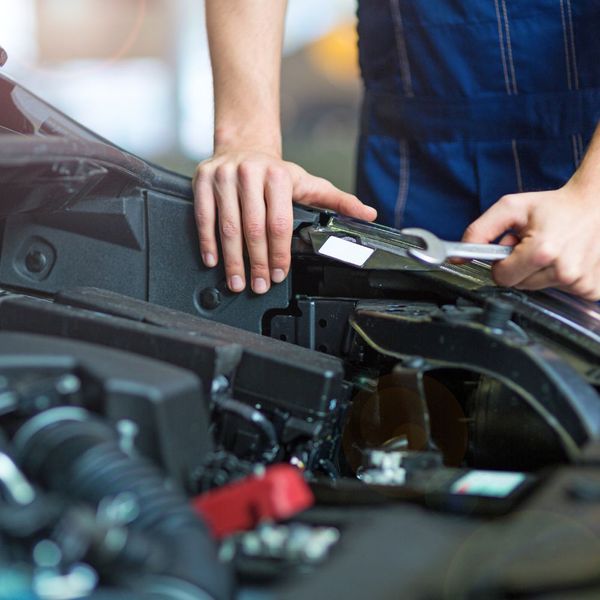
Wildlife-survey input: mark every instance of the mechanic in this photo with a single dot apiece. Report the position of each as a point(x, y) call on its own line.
point(465, 102)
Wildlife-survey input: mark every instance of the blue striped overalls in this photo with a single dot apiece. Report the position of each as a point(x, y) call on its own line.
point(468, 100)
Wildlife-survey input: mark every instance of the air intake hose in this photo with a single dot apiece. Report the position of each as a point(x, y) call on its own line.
point(71, 451)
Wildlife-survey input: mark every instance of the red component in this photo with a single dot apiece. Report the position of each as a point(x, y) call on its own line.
point(279, 493)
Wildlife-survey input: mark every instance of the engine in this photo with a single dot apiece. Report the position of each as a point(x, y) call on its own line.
point(369, 429)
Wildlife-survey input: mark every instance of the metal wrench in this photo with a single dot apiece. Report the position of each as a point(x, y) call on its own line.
point(436, 251)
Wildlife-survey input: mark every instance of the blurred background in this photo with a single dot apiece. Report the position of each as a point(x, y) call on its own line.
point(138, 73)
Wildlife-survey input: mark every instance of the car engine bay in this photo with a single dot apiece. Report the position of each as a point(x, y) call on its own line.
point(381, 430)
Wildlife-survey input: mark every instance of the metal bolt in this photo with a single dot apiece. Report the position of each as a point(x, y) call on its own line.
point(68, 384)
point(220, 384)
point(497, 313)
point(128, 431)
point(210, 298)
point(36, 261)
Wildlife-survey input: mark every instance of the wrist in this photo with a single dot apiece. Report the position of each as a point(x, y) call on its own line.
point(583, 187)
point(585, 182)
point(263, 137)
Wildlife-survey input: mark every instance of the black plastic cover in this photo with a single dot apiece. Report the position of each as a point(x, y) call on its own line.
point(208, 358)
point(286, 375)
point(165, 402)
point(261, 369)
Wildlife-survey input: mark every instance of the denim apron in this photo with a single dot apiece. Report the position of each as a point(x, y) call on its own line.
point(468, 100)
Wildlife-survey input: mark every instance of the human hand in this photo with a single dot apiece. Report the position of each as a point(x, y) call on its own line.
point(249, 194)
point(556, 239)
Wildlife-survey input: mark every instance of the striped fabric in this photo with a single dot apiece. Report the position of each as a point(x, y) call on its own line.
point(466, 101)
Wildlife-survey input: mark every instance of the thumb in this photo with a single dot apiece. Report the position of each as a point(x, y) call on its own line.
point(510, 212)
point(316, 191)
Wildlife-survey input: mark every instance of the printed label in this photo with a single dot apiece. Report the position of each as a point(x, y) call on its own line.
point(346, 251)
point(495, 484)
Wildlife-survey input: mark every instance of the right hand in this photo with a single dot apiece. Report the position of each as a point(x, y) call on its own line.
point(250, 194)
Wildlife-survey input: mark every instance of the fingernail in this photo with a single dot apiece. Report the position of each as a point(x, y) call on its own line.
point(236, 283)
point(259, 285)
point(278, 275)
point(209, 259)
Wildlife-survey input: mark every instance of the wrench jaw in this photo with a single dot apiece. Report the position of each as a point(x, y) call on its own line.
point(424, 257)
point(434, 251)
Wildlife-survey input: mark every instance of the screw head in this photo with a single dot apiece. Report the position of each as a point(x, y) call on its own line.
point(36, 261)
point(3, 56)
point(210, 298)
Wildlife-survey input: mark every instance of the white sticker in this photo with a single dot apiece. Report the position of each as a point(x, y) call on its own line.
point(346, 251)
point(496, 484)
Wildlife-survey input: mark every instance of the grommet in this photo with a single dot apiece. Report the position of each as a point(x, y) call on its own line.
point(210, 298)
point(36, 261)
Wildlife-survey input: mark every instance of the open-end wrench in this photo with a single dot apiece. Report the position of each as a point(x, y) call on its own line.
point(436, 251)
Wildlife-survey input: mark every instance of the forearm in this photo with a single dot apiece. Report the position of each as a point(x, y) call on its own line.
point(246, 189)
point(245, 39)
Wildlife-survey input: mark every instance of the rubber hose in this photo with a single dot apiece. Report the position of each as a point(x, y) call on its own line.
point(79, 455)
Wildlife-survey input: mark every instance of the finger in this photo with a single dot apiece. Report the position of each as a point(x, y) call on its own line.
point(593, 289)
point(594, 275)
point(252, 199)
point(567, 272)
point(542, 279)
point(316, 191)
point(509, 239)
point(531, 255)
point(510, 212)
point(205, 213)
point(280, 222)
point(587, 285)
point(230, 226)
point(586, 288)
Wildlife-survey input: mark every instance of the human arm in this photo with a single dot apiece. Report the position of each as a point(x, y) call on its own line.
point(557, 241)
point(246, 188)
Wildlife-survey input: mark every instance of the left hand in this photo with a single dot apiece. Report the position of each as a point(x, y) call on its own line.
point(556, 239)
